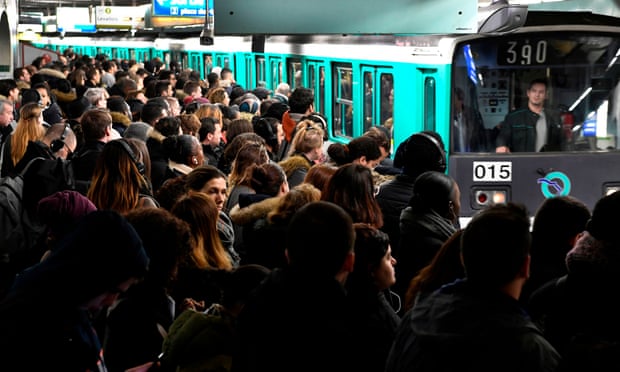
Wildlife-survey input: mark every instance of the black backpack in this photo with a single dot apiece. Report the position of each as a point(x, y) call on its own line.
point(17, 230)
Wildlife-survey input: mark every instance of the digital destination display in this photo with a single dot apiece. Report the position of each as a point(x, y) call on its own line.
point(179, 8)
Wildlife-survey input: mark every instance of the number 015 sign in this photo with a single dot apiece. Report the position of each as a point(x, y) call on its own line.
point(492, 171)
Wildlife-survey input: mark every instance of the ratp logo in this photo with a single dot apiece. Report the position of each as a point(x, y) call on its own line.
point(555, 184)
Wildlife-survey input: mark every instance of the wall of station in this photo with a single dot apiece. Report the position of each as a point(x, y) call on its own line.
point(8, 38)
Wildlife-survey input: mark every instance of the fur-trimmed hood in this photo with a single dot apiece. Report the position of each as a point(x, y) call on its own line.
point(52, 73)
point(254, 211)
point(120, 118)
point(64, 97)
point(292, 163)
point(156, 135)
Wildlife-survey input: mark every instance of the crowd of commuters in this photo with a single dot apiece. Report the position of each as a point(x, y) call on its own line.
point(196, 225)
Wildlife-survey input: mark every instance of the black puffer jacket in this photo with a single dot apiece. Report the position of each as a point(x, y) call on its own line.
point(466, 329)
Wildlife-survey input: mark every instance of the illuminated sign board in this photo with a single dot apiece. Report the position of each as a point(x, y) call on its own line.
point(120, 17)
point(179, 8)
point(74, 20)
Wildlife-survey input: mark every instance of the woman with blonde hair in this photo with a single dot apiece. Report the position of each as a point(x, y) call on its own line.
point(209, 110)
point(240, 176)
point(119, 181)
point(219, 95)
point(305, 150)
point(29, 128)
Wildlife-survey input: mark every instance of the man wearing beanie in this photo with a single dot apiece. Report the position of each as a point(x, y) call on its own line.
point(48, 309)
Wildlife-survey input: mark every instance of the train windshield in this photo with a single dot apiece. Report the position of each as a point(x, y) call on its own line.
point(499, 83)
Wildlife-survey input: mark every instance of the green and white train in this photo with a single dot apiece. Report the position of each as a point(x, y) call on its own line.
point(412, 82)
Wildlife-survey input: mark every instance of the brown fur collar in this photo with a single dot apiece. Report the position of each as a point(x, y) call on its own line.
point(119, 117)
point(253, 212)
point(51, 72)
point(292, 163)
point(64, 97)
point(156, 135)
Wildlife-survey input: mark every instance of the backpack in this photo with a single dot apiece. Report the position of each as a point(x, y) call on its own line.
point(17, 230)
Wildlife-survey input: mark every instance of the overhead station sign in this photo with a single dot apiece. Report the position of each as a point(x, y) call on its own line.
point(74, 20)
point(120, 17)
point(179, 8)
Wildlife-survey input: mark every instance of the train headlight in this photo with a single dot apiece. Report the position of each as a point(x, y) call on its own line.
point(610, 189)
point(486, 197)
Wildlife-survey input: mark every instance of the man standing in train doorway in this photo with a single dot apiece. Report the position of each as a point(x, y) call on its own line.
point(533, 128)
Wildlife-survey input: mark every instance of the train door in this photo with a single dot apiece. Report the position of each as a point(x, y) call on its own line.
point(342, 101)
point(251, 79)
point(206, 65)
point(195, 63)
point(294, 73)
point(158, 54)
point(315, 76)
point(123, 53)
point(275, 70)
point(224, 60)
point(378, 95)
point(107, 51)
point(260, 69)
point(141, 55)
point(178, 57)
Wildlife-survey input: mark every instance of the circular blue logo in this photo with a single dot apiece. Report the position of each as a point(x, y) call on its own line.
point(554, 184)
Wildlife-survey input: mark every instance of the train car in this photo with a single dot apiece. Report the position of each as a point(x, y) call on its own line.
point(414, 83)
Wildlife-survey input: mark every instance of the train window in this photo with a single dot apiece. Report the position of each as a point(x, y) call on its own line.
point(261, 74)
point(249, 78)
point(342, 110)
point(321, 89)
point(222, 60)
point(430, 88)
point(368, 99)
point(207, 64)
point(579, 69)
point(276, 71)
point(311, 78)
point(316, 81)
point(387, 97)
point(293, 69)
point(166, 58)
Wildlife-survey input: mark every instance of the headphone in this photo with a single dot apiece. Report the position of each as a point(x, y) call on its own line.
point(263, 127)
point(441, 165)
point(132, 155)
point(59, 143)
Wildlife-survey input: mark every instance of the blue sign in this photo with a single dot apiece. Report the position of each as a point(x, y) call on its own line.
point(179, 8)
point(589, 127)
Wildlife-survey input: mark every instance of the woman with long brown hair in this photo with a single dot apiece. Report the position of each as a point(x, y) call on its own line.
point(196, 284)
point(119, 182)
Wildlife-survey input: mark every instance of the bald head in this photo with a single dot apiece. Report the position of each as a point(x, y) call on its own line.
point(61, 140)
